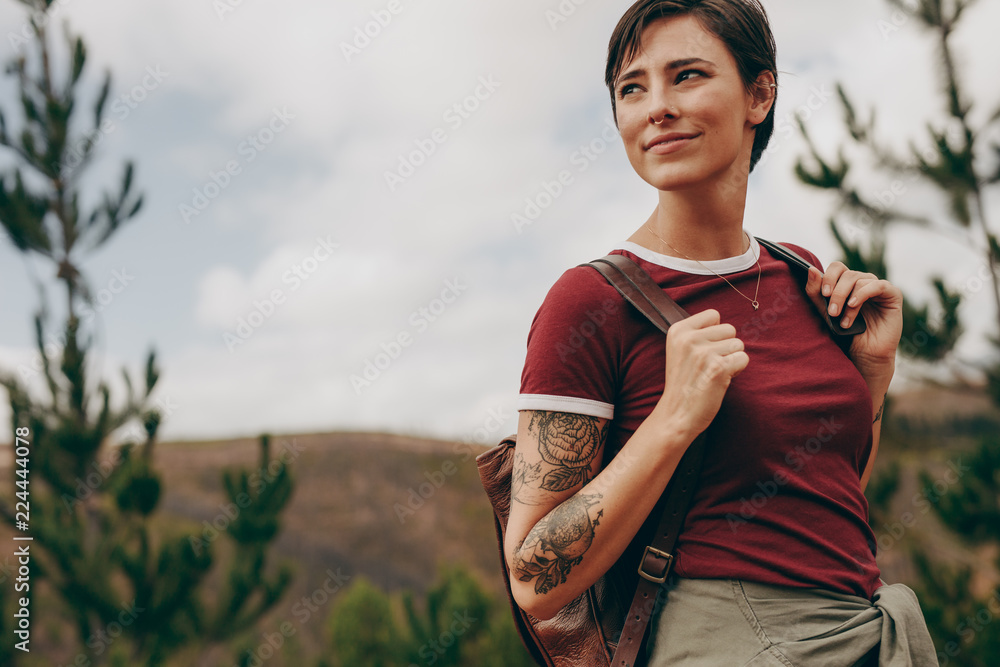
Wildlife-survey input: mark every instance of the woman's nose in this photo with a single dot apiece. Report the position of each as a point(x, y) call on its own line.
point(661, 107)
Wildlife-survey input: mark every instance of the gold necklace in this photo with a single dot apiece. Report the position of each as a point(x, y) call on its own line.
point(753, 301)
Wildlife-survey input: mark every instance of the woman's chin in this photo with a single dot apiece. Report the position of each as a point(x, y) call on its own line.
point(674, 180)
point(687, 176)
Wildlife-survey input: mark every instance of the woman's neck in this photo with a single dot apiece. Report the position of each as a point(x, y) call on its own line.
point(696, 224)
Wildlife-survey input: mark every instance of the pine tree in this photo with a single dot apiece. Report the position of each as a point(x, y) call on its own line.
point(364, 631)
point(965, 627)
point(960, 165)
point(955, 164)
point(119, 580)
point(457, 624)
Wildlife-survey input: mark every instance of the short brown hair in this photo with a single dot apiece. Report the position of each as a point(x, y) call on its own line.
point(741, 25)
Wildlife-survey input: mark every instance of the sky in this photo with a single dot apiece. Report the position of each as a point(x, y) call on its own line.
point(339, 228)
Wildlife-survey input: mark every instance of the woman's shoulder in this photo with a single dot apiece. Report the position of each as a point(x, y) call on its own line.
point(579, 294)
point(581, 285)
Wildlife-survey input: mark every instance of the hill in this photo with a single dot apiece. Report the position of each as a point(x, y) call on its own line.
point(389, 508)
point(393, 509)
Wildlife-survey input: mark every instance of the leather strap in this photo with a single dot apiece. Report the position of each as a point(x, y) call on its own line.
point(649, 298)
point(796, 260)
point(658, 556)
point(640, 290)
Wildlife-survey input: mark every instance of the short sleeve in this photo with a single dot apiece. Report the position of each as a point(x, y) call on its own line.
point(574, 347)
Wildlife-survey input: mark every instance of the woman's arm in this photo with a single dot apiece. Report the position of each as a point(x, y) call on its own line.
point(874, 351)
point(879, 388)
point(569, 520)
point(560, 540)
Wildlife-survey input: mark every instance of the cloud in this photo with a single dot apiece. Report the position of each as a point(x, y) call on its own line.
point(413, 154)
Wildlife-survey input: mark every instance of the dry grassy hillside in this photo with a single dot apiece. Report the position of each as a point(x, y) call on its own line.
point(352, 506)
point(342, 518)
point(358, 509)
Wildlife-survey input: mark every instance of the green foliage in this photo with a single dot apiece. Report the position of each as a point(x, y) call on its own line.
point(8, 623)
point(943, 595)
point(140, 488)
point(825, 174)
point(948, 164)
point(927, 337)
point(458, 625)
point(363, 629)
point(457, 612)
point(879, 492)
point(952, 161)
point(92, 506)
point(993, 383)
point(259, 498)
point(965, 628)
point(971, 506)
point(859, 259)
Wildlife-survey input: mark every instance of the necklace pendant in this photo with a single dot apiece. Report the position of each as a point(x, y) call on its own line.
point(755, 304)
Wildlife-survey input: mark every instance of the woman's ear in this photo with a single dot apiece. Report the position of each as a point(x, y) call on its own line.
point(763, 94)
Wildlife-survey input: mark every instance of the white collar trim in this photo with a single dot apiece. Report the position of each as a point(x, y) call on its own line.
point(720, 266)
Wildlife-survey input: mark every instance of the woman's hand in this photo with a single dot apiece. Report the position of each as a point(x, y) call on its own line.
point(703, 357)
point(874, 351)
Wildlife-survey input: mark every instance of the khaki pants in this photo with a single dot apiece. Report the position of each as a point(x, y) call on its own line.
point(735, 623)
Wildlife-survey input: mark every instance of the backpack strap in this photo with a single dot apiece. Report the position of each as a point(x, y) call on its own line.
point(796, 261)
point(639, 289)
point(649, 298)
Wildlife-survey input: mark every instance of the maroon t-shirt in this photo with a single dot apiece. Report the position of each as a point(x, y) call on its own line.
point(779, 499)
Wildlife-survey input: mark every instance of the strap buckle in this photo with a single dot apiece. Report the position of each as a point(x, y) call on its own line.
point(656, 553)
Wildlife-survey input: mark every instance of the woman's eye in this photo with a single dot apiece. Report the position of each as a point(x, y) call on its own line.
point(626, 89)
point(688, 73)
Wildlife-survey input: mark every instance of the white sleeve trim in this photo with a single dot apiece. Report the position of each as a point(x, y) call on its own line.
point(580, 406)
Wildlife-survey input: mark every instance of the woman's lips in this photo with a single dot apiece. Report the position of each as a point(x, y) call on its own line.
point(663, 146)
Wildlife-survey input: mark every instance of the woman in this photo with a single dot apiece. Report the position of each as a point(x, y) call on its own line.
point(776, 562)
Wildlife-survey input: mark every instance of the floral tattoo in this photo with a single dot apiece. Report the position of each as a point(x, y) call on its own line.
point(570, 442)
point(557, 543)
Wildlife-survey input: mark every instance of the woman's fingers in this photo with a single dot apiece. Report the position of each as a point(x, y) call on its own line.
point(881, 294)
point(832, 277)
point(863, 290)
point(704, 325)
point(707, 354)
point(703, 355)
point(847, 291)
point(842, 292)
point(814, 287)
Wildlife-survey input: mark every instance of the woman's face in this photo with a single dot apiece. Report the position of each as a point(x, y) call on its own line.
point(685, 77)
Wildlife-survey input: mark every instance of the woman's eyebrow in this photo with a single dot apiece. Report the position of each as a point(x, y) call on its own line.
point(674, 64)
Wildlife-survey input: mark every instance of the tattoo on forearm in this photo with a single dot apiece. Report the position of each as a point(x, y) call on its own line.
point(569, 442)
point(878, 415)
point(557, 543)
point(521, 479)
